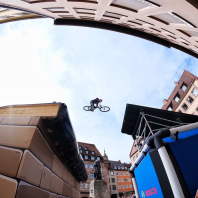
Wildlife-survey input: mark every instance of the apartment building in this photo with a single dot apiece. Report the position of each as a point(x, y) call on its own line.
point(120, 179)
point(184, 98)
point(90, 153)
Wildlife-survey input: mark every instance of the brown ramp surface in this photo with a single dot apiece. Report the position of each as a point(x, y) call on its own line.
point(26, 190)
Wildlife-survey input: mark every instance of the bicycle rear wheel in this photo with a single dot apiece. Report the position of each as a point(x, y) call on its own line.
point(87, 108)
point(104, 109)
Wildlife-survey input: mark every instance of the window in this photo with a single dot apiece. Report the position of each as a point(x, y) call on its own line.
point(183, 87)
point(80, 151)
point(120, 173)
point(110, 187)
point(85, 148)
point(114, 187)
point(86, 166)
point(176, 99)
point(122, 186)
point(127, 173)
point(91, 165)
point(190, 99)
point(124, 174)
point(81, 185)
point(112, 173)
point(118, 180)
point(113, 180)
point(80, 147)
point(86, 185)
point(125, 168)
point(125, 180)
point(130, 185)
point(122, 168)
point(92, 152)
point(169, 108)
point(102, 176)
point(122, 180)
point(87, 152)
point(126, 186)
point(119, 187)
point(195, 92)
point(184, 106)
point(116, 173)
point(129, 179)
point(91, 175)
point(115, 167)
point(101, 166)
point(92, 157)
point(118, 167)
point(98, 158)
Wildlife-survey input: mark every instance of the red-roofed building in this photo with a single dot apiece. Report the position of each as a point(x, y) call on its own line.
point(90, 153)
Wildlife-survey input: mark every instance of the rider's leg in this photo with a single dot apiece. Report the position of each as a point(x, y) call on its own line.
point(92, 105)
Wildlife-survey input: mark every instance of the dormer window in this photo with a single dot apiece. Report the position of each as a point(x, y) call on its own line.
point(119, 167)
point(92, 152)
point(92, 157)
point(85, 148)
point(125, 168)
point(183, 87)
point(98, 158)
point(115, 167)
point(86, 156)
point(176, 99)
point(80, 147)
point(87, 152)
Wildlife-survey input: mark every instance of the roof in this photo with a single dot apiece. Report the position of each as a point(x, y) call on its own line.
point(118, 164)
point(187, 78)
point(133, 114)
point(90, 147)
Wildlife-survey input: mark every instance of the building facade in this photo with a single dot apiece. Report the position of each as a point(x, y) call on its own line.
point(134, 153)
point(90, 153)
point(184, 98)
point(120, 180)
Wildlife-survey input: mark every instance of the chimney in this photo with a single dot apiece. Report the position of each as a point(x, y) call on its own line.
point(165, 101)
point(119, 161)
point(176, 83)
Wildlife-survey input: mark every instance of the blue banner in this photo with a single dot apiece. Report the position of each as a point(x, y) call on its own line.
point(147, 181)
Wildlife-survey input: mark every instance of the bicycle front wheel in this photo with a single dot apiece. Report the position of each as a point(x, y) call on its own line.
point(87, 108)
point(104, 109)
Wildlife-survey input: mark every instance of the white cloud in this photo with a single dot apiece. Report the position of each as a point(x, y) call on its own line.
point(45, 63)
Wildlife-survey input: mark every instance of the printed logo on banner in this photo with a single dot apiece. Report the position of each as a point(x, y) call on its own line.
point(143, 195)
point(149, 192)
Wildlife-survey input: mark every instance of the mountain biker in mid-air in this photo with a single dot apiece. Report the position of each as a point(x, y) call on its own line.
point(95, 101)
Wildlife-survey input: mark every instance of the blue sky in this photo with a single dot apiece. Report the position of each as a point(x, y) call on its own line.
point(42, 63)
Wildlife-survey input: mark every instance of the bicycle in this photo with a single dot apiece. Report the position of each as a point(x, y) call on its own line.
point(100, 107)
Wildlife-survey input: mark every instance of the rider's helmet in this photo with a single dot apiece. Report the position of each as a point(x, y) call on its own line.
point(100, 100)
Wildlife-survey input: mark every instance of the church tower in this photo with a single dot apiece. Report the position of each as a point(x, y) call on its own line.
point(106, 160)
